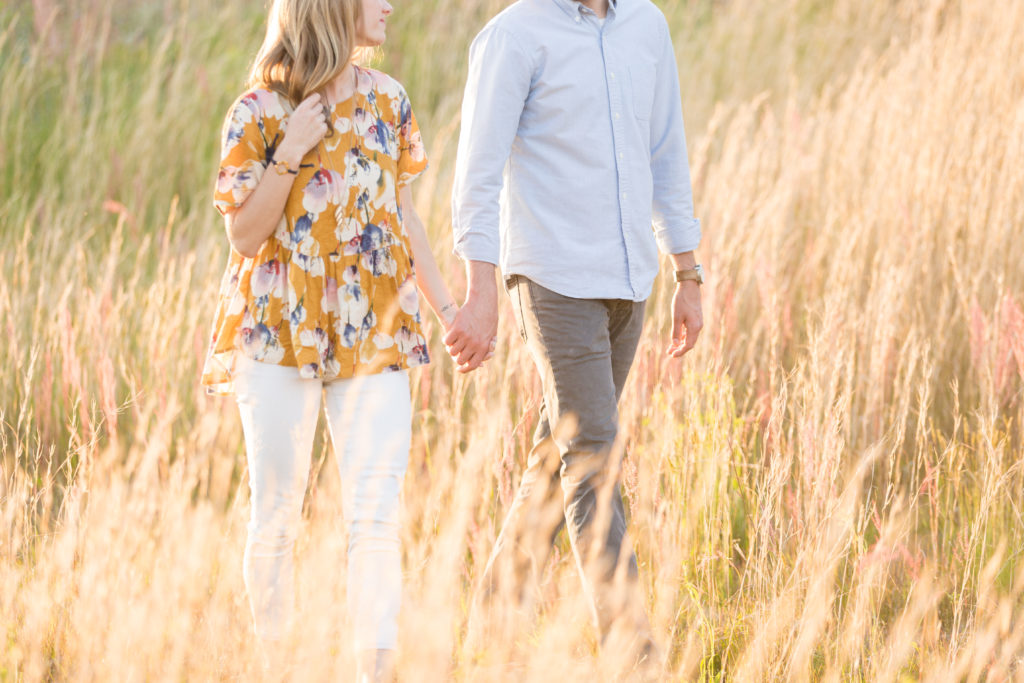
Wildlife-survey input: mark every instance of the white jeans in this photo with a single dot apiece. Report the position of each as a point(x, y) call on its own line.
point(370, 424)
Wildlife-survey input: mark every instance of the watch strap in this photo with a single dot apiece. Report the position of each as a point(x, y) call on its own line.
point(691, 274)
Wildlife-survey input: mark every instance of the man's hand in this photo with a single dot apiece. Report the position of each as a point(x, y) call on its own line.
point(470, 338)
point(687, 318)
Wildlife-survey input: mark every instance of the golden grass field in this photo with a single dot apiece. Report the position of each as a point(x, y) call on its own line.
point(830, 487)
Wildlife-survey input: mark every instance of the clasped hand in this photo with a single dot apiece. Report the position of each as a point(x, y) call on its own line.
point(472, 335)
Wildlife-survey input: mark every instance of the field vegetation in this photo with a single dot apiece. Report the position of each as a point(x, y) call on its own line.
point(829, 488)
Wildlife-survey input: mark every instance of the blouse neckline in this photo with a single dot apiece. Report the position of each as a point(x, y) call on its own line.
point(355, 92)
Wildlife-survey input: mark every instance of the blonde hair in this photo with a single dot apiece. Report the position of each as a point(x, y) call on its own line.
point(308, 43)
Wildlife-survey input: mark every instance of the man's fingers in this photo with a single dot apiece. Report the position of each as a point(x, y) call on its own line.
point(475, 360)
point(473, 354)
point(463, 355)
point(678, 336)
point(456, 340)
point(684, 338)
point(692, 331)
point(691, 340)
point(467, 351)
point(456, 346)
point(678, 329)
point(469, 355)
point(470, 365)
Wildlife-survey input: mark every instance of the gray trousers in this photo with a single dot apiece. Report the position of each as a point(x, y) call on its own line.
point(583, 350)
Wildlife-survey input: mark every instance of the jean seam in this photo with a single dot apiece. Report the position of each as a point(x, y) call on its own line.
point(517, 283)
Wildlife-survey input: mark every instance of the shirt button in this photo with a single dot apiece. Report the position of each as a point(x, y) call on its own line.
point(613, 75)
point(620, 156)
point(625, 195)
point(616, 115)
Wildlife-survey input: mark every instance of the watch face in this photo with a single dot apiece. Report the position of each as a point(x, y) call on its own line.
point(700, 273)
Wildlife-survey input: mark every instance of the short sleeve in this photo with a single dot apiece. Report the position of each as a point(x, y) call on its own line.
point(412, 158)
point(243, 156)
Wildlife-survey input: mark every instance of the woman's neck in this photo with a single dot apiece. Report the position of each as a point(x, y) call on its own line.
point(343, 86)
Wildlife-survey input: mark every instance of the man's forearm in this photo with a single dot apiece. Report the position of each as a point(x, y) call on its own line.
point(481, 280)
point(684, 260)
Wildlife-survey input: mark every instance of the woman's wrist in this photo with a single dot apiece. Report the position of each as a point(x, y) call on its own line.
point(288, 155)
point(447, 313)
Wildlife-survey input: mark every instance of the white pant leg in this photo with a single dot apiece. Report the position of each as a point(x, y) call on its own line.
point(370, 419)
point(279, 411)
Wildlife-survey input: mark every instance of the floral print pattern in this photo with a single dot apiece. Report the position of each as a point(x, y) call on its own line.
point(332, 292)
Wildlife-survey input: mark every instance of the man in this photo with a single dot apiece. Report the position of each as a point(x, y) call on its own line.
point(572, 145)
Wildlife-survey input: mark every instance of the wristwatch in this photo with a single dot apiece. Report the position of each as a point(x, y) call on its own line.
point(282, 168)
point(696, 274)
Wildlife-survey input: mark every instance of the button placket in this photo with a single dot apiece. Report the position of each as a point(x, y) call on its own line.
point(615, 102)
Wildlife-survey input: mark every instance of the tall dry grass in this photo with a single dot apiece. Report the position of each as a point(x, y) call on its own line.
point(828, 488)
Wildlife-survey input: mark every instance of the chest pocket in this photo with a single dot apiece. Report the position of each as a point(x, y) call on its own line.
point(641, 77)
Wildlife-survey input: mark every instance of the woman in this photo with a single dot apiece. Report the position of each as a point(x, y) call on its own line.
point(320, 299)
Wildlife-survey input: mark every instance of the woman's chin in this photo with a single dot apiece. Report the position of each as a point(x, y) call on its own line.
point(375, 41)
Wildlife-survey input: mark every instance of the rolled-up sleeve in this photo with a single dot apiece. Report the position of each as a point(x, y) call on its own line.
point(675, 227)
point(497, 86)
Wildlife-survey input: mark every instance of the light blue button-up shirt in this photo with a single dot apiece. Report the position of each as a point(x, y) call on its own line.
point(572, 147)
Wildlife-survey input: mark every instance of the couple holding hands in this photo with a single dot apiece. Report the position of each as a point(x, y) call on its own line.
point(571, 149)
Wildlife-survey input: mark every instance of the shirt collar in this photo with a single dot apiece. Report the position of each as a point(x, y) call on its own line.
point(575, 9)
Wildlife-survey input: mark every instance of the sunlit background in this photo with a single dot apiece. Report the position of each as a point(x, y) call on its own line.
point(828, 488)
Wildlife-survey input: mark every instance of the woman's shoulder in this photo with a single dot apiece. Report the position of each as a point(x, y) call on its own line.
point(374, 80)
point(258, 112)
point(259, 103)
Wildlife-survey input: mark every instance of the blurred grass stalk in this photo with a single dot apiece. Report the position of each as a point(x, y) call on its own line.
point(827, 489)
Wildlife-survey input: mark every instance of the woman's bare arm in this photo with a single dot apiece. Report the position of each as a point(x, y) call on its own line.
point(428, 275)
point(255, 220)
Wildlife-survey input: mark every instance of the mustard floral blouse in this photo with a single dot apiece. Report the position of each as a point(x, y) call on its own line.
point(332, 291)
